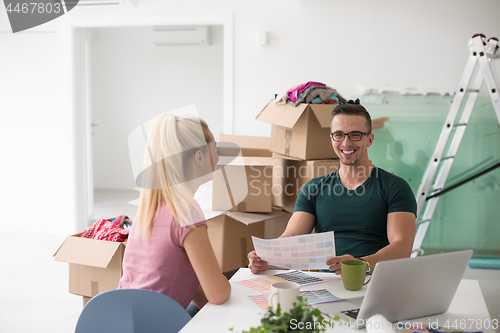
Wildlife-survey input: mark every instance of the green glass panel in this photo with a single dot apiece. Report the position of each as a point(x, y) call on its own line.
point(468, 216)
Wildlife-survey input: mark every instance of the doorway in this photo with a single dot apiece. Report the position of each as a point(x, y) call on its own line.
point(122, 79)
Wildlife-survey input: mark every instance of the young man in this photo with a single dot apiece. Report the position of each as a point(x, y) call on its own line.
point(371, 211)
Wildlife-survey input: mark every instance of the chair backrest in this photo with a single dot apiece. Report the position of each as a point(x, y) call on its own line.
point(132, 310)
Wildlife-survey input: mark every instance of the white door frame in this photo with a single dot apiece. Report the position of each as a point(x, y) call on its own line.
point(77, 35)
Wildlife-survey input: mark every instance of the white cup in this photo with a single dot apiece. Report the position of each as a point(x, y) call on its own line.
point(284, 293)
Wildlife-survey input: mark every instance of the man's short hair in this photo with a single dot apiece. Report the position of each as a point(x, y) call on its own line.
point(353, 110)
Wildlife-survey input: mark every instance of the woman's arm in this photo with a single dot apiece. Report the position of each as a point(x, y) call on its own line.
point(202, 257)
point(200, 299)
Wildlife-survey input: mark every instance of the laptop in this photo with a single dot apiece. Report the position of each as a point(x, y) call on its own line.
point(404, 289)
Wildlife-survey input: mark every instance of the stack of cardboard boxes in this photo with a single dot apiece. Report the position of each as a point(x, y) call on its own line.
point(300, 142)
point(242, 200)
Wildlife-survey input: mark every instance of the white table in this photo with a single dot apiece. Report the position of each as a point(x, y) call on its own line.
point(241, 314)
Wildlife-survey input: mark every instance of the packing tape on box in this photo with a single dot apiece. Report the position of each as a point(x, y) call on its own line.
point(288, 140)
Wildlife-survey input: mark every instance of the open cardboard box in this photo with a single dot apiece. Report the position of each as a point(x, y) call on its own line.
point(303, 131)
point(291, 174)
point(243, 180)
point(230, 234)
point(94, 265)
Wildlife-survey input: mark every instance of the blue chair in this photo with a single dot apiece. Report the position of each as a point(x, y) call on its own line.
point(132, 310)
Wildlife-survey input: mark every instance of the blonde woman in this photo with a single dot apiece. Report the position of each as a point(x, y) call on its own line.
point(168, 250)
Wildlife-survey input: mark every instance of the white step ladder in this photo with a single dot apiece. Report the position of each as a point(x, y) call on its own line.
point(482, 52)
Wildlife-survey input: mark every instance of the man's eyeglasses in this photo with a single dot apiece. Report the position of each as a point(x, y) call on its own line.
point(353, 136)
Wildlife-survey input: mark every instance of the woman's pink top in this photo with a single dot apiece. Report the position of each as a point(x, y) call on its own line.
point(162, 264)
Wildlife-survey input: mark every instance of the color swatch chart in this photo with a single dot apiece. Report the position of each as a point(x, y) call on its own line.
point(319, 296)
point(313, 297)
point(297, 252)
point(263, 284)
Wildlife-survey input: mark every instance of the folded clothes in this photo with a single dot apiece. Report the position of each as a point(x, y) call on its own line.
point(282, 98)
point(320, 94)
point(293, 95)
point(107, 230)
point(332, 99)
point(302, 96)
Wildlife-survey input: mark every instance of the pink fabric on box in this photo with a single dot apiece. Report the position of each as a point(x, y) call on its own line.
point(294, 93)
point(162, 264)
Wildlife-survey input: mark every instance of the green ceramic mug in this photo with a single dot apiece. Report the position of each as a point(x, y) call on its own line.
point(354, 273)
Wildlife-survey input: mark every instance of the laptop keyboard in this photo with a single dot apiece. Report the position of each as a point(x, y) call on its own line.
point(351, 313)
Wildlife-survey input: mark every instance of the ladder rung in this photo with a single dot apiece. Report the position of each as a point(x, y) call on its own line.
point(423, 221)
point(436, 190)
point(472, 90)
point(447, 158)
point(459, 124)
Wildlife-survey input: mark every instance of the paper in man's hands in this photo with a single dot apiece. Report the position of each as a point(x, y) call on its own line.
point(297, 252)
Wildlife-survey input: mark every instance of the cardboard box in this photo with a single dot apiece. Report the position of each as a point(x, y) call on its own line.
point(248, 192)
point(86, 300)
point(243, 180)
point(291, 174)
point(94, 265)
point(230, 234)
point(256, 146)
point(302, 131)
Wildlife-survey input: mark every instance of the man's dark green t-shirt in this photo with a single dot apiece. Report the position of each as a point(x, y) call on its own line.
point(358, 217)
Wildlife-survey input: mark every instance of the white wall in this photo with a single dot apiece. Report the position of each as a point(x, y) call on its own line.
point(133, 81)
point(345, 44)
point(35, 136)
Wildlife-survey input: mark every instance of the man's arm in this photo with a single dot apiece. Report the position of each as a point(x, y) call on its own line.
point(300, 223)
point(400, 232)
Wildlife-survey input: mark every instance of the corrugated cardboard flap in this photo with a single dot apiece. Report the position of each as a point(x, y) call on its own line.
point(323, 113)
point(249, 218)
point(211, 214)
point(248, 145)
point(89, 252)
point(281, 115)
point(284, 157)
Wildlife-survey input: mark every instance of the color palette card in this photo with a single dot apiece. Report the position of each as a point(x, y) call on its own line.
point(260, 300)
point(263, 284)
point(297, 252)
point(319, 296)
point(300, 277)
point(313, 297)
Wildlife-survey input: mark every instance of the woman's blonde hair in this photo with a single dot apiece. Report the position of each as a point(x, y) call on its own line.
point(172, 142)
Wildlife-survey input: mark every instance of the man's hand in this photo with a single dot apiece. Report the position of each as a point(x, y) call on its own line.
point(256, 265)
point(334, 263)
